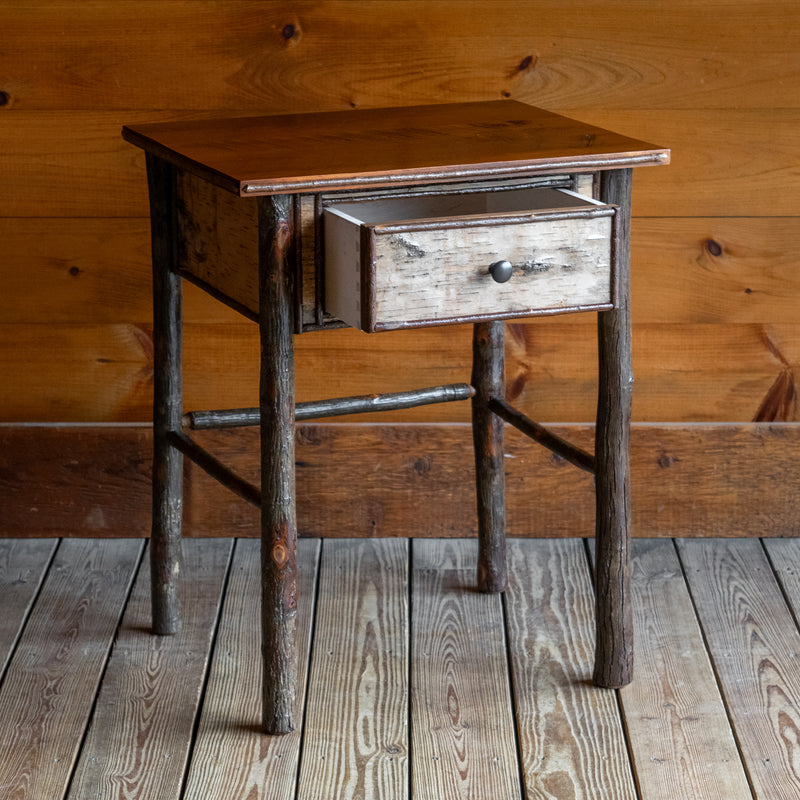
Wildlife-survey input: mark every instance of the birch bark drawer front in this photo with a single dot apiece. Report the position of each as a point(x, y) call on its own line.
point(409, 261)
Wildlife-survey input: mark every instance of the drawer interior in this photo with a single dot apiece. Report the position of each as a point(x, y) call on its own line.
point(473, 204)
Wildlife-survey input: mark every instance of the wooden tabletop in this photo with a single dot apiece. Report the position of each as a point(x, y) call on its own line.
point(388, 146)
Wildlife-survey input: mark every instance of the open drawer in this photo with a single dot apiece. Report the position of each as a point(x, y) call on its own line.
point(408, 261)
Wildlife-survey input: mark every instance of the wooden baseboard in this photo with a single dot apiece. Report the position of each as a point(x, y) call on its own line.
point(404, 480)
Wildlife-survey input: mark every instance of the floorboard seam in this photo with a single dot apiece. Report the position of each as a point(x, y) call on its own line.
point(712, 661)
point(143, 550)
point(617, 693)
point(523, 791)
point(31, 605)
point(223, 596)
point(306, 688)
point(410, 674)
point(781, 586)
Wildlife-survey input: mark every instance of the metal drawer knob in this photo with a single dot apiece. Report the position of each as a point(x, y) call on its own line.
point(501, 271)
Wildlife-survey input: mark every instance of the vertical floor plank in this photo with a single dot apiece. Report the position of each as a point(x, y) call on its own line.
point(679, 732)
point(755, 647)
point(50, 685)
point(23, 564)
point(570, 732)
point(141, 731)
point(784, 556)
point(232, 759)
point(356, 732)
point(463, 743)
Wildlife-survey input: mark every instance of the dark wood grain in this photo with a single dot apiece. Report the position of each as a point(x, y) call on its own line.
point(278, 511)
point(95, 481)
point(165, 549)
point(346, 150)
point(487, 438)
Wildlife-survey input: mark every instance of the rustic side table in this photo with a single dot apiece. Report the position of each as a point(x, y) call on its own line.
point(387, 219)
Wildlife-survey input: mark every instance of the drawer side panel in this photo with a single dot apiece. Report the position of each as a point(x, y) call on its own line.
point(342, 269)
point(218, 239)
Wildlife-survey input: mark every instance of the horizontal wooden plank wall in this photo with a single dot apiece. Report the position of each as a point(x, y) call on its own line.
point(405, 480)
point(715, 291)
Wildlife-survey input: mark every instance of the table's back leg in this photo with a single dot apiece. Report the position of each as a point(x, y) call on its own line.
point(165, 541)
point(614, 655)
point(488, 361)
point(278, 516)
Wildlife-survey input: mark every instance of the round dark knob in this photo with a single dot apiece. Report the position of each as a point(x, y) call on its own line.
point(501, 271)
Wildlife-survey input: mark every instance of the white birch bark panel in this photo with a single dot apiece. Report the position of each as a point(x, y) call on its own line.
point(439, 274)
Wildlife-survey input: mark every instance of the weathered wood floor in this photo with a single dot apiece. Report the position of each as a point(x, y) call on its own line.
point(418, 686)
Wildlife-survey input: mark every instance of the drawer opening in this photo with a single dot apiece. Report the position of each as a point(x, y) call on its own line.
point(478, 204)
point(410, 261)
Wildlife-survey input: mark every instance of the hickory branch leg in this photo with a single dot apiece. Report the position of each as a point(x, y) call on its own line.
point(278, 514)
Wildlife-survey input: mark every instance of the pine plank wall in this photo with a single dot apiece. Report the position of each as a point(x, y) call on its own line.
point(716, 285)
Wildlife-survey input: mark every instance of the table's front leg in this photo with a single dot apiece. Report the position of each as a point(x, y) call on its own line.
point(278, 517)
point(165, 540)
point(488, 359)
point(614, 655)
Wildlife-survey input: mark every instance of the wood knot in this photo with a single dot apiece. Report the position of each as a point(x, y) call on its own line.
point(291, 34)
point(529, 62)
point(714, 248)
point(5, 98)
point(525, 63)
point(280, 555)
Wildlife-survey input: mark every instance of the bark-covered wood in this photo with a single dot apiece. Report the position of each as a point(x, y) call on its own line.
point(216, 469)
point(487, 433)
point(243, 417)
point(425, 260)
point(614, 654)
point(165, 549)
point(278, 514)
point(533, 430)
